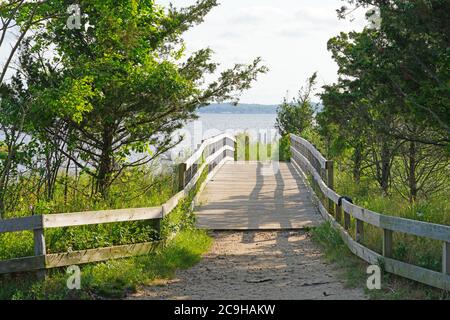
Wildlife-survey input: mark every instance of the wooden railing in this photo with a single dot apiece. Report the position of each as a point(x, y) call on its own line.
point(332, 206)
point(210, 156)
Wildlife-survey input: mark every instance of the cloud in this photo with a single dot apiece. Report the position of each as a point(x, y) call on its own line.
point(290, 35)
point(293, 33)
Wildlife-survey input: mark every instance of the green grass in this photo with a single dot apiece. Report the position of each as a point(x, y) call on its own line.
point(114, 278)
point(181, 246)
point(353, 270)
point(136, 188)
point(419, 251)
point(182, 249)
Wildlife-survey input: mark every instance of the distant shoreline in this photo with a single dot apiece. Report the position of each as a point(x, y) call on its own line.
point(239, 109)
point(243, 108)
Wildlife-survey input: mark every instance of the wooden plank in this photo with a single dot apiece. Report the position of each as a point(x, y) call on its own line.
point(387, 243)
point(98, 255)
point(39, 243)
point(199, 152)
point(99, 217)
point(181, 176)
point(330, 184)
point(333, 196)
point(422, 275)
point(210, 177)
point(346, 220)
point(414, 227)
point(261, 207)
point(415, 273)
point(22, 264)
point(168, 207)
point(361, 213)
point(311, 148)
point(20, 224)
point(39, 248)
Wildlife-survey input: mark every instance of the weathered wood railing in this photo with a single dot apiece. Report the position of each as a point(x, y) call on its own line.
point(211, 155)
point(309, 160)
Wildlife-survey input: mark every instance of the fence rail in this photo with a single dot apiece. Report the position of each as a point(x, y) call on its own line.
point(211, 155)
point(333, 208)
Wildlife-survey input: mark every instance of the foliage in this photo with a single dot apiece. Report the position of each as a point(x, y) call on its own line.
point(109, 96)
point(181, 247)
point(380, 117)
point(353, 270)
point(296, 116)
point(115, 278)
point(285, 148)
point(136, 189)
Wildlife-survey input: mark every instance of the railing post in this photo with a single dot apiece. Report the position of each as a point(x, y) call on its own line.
point(330, 183)
point(359, 231)
point(346, 220)
point(157, 226)
point(446, 258)
point(338, 213)
point(387, 243)
point(181, 176)
point(40, 248)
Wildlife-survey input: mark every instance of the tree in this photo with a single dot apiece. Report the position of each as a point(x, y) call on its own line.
point(295, 117)
point(412, 44)
point(391, 88)
point(121, 88)
point(14, 149)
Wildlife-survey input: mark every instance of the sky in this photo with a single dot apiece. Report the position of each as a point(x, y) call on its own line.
point(289, 35)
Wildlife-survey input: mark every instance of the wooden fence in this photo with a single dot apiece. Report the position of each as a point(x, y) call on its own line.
point(333, 208)
point(211, 155)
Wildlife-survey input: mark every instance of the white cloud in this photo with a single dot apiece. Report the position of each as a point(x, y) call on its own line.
point(290, 35)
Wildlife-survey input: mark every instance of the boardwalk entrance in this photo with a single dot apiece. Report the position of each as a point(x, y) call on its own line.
point(256, 196)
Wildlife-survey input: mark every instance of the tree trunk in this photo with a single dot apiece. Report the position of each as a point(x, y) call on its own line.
point(4, 174)
point(357, 163)
point(412, 172)
point(385, 168)
point(105, 167)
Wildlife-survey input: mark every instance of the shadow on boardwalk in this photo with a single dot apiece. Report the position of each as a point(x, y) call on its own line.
point(273, 265)
point(256, 196)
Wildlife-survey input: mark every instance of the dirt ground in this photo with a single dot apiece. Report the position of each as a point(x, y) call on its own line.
point(256, 265)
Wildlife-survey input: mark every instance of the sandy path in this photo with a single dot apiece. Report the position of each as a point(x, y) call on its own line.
point(256, 265)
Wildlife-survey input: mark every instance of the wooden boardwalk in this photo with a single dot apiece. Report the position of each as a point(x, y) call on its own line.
point(256, 196)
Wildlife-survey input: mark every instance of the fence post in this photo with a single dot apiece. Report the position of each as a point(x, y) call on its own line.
point(157, 226)
point(387, 243)
point(330, 183)
point(338, 213)
point(40, 248)
point(359, 231)
point(446, 258)
point(181, 176)
point(346, 220)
